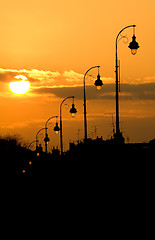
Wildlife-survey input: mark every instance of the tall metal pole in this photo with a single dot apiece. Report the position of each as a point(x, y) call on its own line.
point(84, 104)
point(117, 94)
point(46, 141)
point(61, 142)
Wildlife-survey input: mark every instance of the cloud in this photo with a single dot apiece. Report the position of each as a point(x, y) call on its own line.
point(44, 78)
point(72, 76)
point(70, 83)
point(144, 91)
point(91, 92)
point(41, 75)
point(149, 79)
point(6, 76)
point(34, 75)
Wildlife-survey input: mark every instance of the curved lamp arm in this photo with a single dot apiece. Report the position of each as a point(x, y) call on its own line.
point(61, 109)
point(88, 71)
point(122, 31)
point(31, 144)
point(37, 136)
point(48, 121)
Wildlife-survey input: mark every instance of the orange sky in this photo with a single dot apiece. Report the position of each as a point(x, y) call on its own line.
point(53, 43)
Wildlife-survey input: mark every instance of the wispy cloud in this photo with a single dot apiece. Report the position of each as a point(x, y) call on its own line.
point(72, 76)
point(71, 83)
point(144, 91)
point(150, 79)
point(7, 75)
point(48, 78)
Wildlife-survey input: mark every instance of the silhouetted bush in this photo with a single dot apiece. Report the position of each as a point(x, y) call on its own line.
point(13, 156)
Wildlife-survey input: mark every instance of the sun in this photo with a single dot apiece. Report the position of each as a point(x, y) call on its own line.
point(21, 86)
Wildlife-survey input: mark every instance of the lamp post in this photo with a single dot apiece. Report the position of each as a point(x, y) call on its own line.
point(98, 83)
point(56, 129)
point(37, 139)
point(133, 46)
point(73, 112)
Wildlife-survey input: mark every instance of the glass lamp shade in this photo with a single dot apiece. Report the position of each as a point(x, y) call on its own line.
point(133, 51)
point(73, 110)
point(133, 45)
point(73, 114)
point(98, 88)
point(56, 132)
point(56, 129)
point(98, 83)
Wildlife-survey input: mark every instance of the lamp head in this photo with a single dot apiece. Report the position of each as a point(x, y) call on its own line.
point(98, 83)
point(46, 139)
point(56, 128)
point(133, 45)
point(73, 110)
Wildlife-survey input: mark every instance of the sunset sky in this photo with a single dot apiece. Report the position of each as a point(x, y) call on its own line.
point(53, 43)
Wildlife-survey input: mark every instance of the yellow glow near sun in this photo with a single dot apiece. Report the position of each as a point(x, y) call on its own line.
point(20, 86)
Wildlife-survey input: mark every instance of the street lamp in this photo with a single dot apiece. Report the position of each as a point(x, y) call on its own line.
point(72, 111)
point(133, 46)
point(46, 140)
point(37, 140)
point(56, 129)
point(98, 83)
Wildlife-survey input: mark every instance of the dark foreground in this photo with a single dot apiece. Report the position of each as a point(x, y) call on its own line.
point(109, 189)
